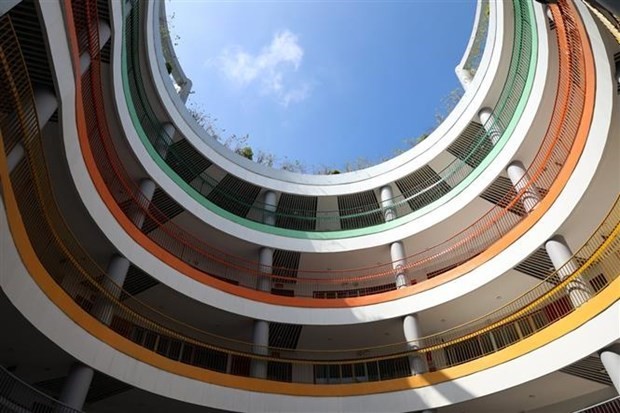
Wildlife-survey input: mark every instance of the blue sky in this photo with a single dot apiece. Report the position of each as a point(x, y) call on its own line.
point(319, 81)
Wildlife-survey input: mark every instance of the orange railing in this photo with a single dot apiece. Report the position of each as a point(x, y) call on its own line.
point(33, 211)
point(460, 253)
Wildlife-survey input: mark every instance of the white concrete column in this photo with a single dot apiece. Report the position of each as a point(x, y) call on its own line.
point(165, 140)
point(387, 203)
point(610, 357)
point(411, 330)
point(516, 172)
point(15, 156)
point(76, 385)
point(118, 266)
point(269, 208)
point(45, 103)
point(265, 264)
point(397, 253)
point(488, 120)
point(260, 338)
point(104, 35)
point(561, 257)
point(147, 190)
point(397, 249)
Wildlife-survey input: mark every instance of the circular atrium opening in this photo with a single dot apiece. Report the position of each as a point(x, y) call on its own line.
point(315, 87)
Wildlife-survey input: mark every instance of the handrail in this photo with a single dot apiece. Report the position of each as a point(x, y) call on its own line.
point(498, 222)
point(80, 277)
point(608, 406)
point(371, 280)
point(469, 162)
point(601, 252)
point(18, 396)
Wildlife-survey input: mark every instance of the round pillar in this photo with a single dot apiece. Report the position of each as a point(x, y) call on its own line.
point(146, 191)
point(490, 124)
point(265, 264)
point(397, 253)
point(15, 156)
point(104, 35)
point(117, 270)
point(45, 103)
point(165, 139)
point(610, 357)
point(258, 368)
point(269, 205)
point(412, 333)
point(76, 385)
point(260, 339)
point(518, 176)
point(561, 258)
point(387, 203)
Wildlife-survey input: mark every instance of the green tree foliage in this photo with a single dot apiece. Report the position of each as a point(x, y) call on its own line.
point(246, 152)
point(240, 143)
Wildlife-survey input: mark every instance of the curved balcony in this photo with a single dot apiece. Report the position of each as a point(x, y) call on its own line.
point(359, 212)
point(19, 397)
point(43, 238)
point(474, 242)
point(58, 265)
point(80, 277)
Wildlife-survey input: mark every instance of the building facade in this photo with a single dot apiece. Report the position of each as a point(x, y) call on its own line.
point(144, 266)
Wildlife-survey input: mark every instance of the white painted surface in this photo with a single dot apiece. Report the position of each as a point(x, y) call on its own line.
point(499, 45)
point(305, 245)
point(559, 212)
point(51, 321)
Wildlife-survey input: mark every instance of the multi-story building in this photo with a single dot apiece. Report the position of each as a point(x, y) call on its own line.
point(144, 266)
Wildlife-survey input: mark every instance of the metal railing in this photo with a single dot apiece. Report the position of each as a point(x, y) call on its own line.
point(593, 267)
point(608, 406)
point(426, 190)
point(17, 396)
point(352, 282)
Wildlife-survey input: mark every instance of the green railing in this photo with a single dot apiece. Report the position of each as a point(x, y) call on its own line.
point(590, 272)
point(425, 193)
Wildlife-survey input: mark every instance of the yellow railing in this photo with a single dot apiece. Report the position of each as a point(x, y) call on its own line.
point(593, 268)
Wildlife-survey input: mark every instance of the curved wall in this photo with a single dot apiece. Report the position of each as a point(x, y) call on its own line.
point(361, 314)
point(539, 356)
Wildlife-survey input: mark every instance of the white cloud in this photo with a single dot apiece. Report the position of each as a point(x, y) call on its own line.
point(271, 69)
point(295, 95)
